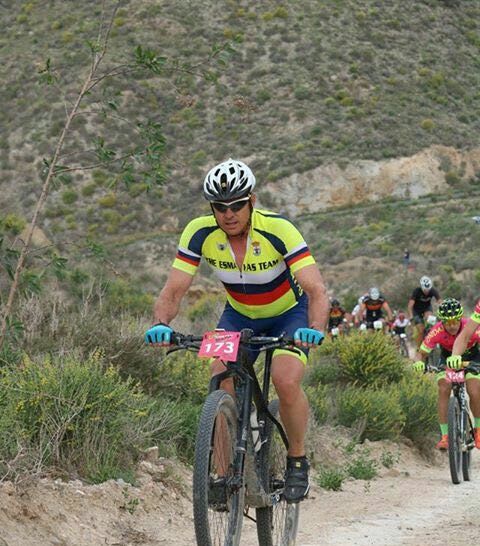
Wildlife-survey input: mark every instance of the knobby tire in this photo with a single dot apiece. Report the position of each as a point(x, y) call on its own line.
point(215, 527)
point(467, 440)
point(276, 525)
point(454, 440)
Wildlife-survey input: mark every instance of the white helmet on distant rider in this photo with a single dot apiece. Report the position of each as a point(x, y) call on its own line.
point(229, 180)
point(426, 283)
point(374, 293)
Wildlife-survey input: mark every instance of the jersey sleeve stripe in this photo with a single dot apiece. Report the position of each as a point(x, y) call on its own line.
point(189, 258)
point(297, 256)
point(425, 349)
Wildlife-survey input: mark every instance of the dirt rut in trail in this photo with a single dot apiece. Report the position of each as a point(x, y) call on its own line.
point(412, 504)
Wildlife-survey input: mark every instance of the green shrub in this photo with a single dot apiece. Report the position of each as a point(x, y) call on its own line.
point(388, 459)
point(77, 416)
point(69, 197)
point(319, 402)
point(324, 372)
point(331, 479)
point(122, 295)
point(427, 124)
point(108, 200)
point(203, 312)
point(88, 189)
point(369, 359)
point(418, 399)
point(13, 223)
point(377, 413)
point(362, 467)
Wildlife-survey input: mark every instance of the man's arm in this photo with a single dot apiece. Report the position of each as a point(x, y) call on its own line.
point(388, 310)
point(411, 303)
point(360, 312)
point(310, 279)
point(168, 302)
point(461, 341)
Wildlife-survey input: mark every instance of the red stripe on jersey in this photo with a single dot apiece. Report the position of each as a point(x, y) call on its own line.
point(261, 299)
point(298, 257)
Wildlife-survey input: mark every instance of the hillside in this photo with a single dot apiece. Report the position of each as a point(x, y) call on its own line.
point(315, 96)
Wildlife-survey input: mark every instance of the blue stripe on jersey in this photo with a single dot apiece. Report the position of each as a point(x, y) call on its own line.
point(196, 242)
point(188, 256)
point(277, 243)
point(260, 288)
point(300, 251)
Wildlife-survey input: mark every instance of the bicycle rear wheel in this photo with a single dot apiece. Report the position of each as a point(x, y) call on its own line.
point(217, 504)
point(403, 348)
point(467, 446)
point(454, 439)
point(276, 525)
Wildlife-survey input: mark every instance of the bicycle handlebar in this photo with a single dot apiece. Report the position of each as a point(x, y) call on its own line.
point(189, 341)
point(467, 366)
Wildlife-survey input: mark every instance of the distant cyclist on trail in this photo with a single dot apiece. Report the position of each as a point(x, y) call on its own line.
point(444, 333)
point(373, 307)
point(336, 315)
point(420, 305)
point(272, 284)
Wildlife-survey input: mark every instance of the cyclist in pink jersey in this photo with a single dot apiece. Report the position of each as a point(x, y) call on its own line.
point(461, 340)
point(444, 334)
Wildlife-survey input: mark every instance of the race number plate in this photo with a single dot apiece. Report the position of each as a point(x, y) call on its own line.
point(453, 376)
point(220, 344)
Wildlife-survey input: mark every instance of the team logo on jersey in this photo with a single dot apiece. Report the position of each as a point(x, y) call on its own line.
point(257, 250)
point(221, 246)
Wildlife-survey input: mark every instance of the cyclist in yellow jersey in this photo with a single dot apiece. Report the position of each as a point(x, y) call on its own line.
point(272, 284)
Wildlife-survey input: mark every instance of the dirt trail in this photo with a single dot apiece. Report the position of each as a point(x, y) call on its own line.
point(412, 504)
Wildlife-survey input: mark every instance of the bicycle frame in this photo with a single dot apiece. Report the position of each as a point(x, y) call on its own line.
point(460, 392)
point(248, 389)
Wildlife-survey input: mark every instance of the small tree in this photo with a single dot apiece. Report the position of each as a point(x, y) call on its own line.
point(141, 159)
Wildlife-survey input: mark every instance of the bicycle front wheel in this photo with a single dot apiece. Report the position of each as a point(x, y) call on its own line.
point(467, 446)
point(217, 500)
point(277, 524)
point(454, 439)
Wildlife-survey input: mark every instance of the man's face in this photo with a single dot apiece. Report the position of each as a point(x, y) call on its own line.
point(452, 326)
point(233, 222)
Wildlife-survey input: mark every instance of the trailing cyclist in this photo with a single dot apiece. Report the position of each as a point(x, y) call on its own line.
point(372, 309)
point(420, 305)
point(399, 328)
point(336, 317)
point(272, 284)
point(444, 333)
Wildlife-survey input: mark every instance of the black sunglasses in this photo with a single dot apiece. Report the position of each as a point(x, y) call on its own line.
point(234, 206)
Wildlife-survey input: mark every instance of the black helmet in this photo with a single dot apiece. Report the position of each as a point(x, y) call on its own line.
point(335, 302)
point(450, 309)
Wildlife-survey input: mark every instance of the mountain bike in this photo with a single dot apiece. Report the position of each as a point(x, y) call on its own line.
point(240, 451)
point(400, 341)
point(461, 438)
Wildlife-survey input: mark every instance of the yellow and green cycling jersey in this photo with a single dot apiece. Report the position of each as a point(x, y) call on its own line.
point(266, 285)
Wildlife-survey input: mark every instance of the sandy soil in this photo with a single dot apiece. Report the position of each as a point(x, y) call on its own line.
point(413, 503)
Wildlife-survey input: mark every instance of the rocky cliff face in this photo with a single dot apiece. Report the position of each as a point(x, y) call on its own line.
point(330, 185)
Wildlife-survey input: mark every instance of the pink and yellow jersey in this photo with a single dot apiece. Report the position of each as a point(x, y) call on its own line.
point(475, 316)
point(266, 285)
point(438, 335)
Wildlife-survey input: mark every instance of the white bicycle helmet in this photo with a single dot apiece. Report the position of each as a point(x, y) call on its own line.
point(374, 293)
point(229, 180)
point(426, 282)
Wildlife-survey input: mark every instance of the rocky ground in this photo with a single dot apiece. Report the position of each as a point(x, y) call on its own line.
point(411, 503)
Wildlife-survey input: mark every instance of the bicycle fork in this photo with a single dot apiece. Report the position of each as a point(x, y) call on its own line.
point(460, 393)
point(243, 392)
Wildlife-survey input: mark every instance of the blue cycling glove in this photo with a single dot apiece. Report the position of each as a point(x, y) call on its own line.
point(159, 333)
point(308, 335)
